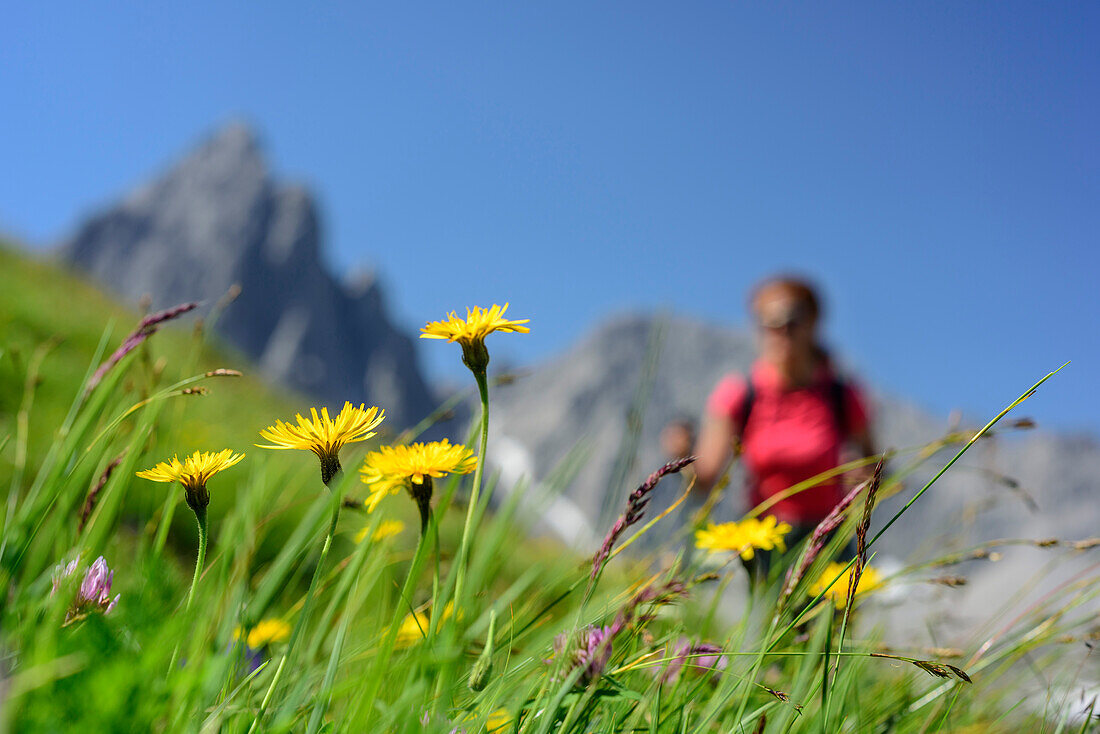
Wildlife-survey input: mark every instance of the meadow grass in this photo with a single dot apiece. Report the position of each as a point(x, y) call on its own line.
point(305, 617)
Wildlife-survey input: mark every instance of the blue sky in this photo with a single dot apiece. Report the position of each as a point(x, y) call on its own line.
point(934, 165)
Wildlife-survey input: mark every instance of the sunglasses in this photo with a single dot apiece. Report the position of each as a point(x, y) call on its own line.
point(790, 318)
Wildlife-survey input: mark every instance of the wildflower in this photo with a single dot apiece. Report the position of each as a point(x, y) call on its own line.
point(592, 647)
point(838, 592)
point(193, 473)
point(591, 650)
point(499, 721)
point(60, 573)
point(259, 638)
point(390, 468)
point(95, 589)
point(94, 594)
point(743, 537)
point(323, 435)
point(471, 332)
point(414, 627)
point(264, 633)
point(385, 529)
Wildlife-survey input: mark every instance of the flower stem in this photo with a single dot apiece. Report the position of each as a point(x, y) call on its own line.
point(300, 624)
point(200, 516)
point(435, 575)
point(464, 547)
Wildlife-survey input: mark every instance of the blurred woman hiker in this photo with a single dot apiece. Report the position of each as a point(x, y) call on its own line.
point(792, 416)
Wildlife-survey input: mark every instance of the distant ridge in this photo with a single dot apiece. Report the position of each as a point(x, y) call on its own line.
point(218, 218)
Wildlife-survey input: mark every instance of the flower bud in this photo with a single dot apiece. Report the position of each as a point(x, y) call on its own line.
point(475, 356)
point(483, 668)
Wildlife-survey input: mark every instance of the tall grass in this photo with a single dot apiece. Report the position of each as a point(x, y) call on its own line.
point(490, 629)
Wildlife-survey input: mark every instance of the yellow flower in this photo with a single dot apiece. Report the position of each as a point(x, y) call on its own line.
point(193, 473)
point(471, 332)
point(386, 529)
point(397, 464)
point(869, 580)
point(415, 626)
point(743, 537)
point(498, 721)
point(325, 436)
point(413, 467)
point(478, 324)
point(264, 633)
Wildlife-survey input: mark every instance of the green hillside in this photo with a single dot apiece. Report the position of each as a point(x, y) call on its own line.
point(52, 321)
point(55, 319)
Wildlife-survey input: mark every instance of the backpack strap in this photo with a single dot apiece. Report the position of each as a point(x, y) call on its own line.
point(839, 404)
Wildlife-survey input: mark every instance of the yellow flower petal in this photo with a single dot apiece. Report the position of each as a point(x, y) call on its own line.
point(415, 626)
point(390, 468)
point(264, 633)
point(321, 434)
point(195, 470)
point(385, 529)
point(478, 324)
point(743, 537)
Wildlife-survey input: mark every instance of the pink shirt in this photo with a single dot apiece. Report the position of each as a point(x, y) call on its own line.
point(791, 435)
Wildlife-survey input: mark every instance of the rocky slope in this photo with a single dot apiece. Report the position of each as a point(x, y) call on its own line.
point(219, 218)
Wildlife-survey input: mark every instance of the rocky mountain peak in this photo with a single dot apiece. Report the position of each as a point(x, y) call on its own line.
point(219, 217)
point(230, 155)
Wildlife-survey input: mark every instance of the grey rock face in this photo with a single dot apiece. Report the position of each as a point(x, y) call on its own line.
point(579, 404)
point(218, 218)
